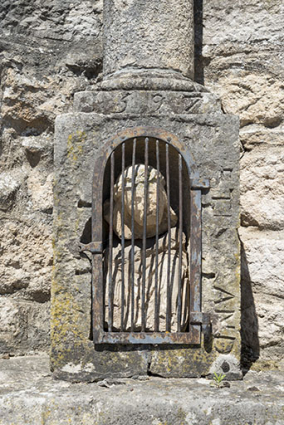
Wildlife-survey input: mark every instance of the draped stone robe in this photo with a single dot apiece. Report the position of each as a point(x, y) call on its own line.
point(156, 190)
point(150, 283)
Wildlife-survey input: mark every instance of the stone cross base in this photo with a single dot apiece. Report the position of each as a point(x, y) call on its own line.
point(195, 117)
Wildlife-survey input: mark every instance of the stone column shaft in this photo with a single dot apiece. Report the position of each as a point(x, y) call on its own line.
point(148, 34)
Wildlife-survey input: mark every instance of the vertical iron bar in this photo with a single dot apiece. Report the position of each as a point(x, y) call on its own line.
point(143, 312)
point(156, 326)
point(169, 301)
point(122, 235)
point(195, 255)
point(180, 242)
point(99, 297)
point(110, 282)
point(132, 233)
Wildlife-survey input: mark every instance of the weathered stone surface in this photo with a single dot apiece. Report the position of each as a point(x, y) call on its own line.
point(257, 100)
point(262, 179)
point(10, 182)
point(29, 395)
point(263, 305)
point(24, 326)
point(47, 52)
point(153, 101)
point(26, 261)
point(249, 43)
point(252, 136)
point(243, 63)
point(139, 203)
point(41, 191)
point(153, 35)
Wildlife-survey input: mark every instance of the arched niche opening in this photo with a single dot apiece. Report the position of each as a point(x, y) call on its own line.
point(146, 241)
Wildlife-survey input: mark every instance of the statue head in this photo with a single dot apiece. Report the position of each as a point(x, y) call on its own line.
point(156, 193)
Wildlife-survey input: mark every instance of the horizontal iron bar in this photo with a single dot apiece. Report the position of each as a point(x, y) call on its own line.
point(93, 247)
point(148, 338)
point(199, 318)
point(199, 183)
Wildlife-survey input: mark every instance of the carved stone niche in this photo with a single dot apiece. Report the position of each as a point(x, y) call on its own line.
point(148, 289)
point(83, 347)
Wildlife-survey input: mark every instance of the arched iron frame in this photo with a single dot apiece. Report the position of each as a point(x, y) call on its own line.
point(197, 318)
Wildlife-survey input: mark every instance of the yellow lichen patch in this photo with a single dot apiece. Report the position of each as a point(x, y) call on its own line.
point(181, 361)
point(265, 365)
point(224, 346)
point(45, 416)
point(66, 317)
point(75, 145)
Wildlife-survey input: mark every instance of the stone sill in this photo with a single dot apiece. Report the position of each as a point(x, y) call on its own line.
point(29, 395)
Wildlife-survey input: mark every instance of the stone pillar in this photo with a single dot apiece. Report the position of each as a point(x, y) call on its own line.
point(152, 35)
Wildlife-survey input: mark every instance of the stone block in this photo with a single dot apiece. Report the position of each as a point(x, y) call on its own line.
point(25, 326)
point(41, 190)
point(262, 265)
point(262, 201)
point(212, 141)
point(26, 260)
point(9, 184)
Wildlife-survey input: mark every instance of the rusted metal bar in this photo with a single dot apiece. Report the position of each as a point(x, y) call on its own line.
point(98, 301)
point(132, 232)
point(122, 236)
point(110, 280)
point(143, 312)
point(169, 298)
point(180, 241)
point(93, 247)
point(148, 338)
point(199, 183)
point(197, 317)
point(195, 253)
point(156, 324)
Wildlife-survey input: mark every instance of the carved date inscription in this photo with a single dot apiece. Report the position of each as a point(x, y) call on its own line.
point(157, 100)
point(190, 103)
point(141, 102)
point(121, 105)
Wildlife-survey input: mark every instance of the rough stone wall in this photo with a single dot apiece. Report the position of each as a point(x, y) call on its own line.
point(49, 50)
point(243, 62)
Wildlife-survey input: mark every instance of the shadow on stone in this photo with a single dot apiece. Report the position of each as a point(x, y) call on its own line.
point(198, 37)
point(249, 320)
point(87, 232)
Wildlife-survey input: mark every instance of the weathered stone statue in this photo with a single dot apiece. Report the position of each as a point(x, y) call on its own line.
point(151, 262)
point(139, 200)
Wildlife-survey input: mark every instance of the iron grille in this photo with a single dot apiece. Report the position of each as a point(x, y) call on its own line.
point(151, 149)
